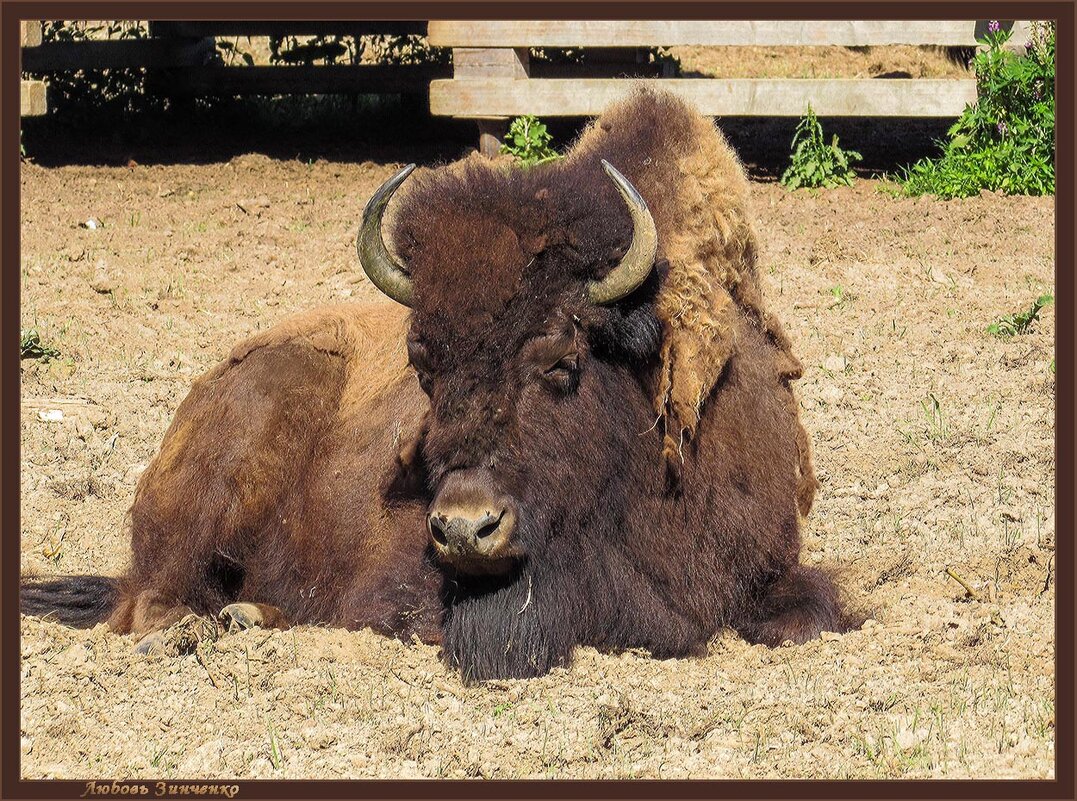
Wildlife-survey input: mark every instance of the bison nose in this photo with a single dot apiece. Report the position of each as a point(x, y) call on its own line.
point(471, 523)
point(466, 534)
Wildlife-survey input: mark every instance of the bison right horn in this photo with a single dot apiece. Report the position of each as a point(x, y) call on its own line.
point(378, 264)
point(636, 265)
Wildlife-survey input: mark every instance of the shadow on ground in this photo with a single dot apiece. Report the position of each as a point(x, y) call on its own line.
point(395, 128)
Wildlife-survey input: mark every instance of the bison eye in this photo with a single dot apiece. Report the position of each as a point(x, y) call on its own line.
point(564, 373)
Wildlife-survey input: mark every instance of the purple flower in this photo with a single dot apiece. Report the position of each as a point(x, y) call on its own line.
point(1001, 128)
point(993, 26)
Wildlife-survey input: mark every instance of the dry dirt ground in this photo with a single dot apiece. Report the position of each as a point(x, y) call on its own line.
point(829, 61)
point(933, 441)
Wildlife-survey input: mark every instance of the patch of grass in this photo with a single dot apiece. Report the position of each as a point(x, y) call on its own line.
point(1011, 325)
point(842, 297)
point(31, 346)
point(528, 142)
point(276, 756)
point(814, 163)
point(1005, 141)
point(938, 429)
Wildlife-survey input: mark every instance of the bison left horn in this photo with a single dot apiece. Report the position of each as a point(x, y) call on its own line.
point(378, 264)
point(636, 265)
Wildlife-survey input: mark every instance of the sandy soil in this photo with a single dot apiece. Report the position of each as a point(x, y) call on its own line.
point(933, 441)
point(830, 61)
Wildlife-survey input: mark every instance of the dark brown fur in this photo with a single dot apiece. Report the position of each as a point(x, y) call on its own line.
point(297, 474)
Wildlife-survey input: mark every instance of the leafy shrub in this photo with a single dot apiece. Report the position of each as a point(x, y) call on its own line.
point(1021, 322)
point(1005, 141)
point(815, 163)
point(528, 142)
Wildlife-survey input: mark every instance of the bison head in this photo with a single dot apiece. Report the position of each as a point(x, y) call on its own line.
point(532, 296)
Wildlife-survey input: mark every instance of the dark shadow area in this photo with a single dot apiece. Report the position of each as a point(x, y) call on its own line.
point(398, 128)
point(305, 128)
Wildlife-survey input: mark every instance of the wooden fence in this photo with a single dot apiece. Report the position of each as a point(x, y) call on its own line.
point(183, 60)
point(493, 78)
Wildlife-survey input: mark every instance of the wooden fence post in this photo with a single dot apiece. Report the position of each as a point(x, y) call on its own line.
point(476, 63)
point(33, 100)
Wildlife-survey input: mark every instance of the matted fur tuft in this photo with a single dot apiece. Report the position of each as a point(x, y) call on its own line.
point(709, 245)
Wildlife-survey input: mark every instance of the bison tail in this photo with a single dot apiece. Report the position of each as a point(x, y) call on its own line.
point(78, 601)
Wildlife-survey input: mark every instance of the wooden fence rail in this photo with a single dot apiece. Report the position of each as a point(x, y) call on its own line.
point(493, 78)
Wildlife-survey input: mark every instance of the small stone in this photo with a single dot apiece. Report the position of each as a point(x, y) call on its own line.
point(831, 395)
point(835, 363)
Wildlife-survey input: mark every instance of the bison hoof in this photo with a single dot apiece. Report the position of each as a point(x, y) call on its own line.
point(181, 638)
point(152, 643)
point(242, 616)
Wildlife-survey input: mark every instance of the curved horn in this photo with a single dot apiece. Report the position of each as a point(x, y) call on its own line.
point(636, 265)
point(380, 267)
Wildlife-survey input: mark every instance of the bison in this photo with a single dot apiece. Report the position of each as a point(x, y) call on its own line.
point(573, 426)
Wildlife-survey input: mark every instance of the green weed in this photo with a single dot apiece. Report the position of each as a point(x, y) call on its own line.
point(31, 346)
point(1011, 325)
point(528, 142)
point(814, 163)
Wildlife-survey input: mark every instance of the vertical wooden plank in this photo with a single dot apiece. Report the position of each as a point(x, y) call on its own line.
point(476, 63)
point(32, 99)
point(491, 62)
point(491, 135)
point(30, 32)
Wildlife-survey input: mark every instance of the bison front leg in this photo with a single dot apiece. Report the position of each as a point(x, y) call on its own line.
point(798, 606)
point(508, 630)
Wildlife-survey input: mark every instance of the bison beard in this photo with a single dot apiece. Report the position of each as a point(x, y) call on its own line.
point(602, 446)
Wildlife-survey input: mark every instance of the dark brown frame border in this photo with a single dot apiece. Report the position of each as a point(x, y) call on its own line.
point(13, 786)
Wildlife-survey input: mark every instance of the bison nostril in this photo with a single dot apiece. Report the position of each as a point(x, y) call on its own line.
point(490, 527)
point(437, 529)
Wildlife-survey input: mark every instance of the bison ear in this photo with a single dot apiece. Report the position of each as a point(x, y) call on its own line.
point(632, 330)
point(406, 478)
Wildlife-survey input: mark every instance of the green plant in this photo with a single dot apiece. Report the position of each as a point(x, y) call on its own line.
point(31, 346)
point(1010, 325)
point(937, 427)
point(1005, 141)
point(814, 163)
point(528, 142)
point(276, 756)
point(842, 297)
